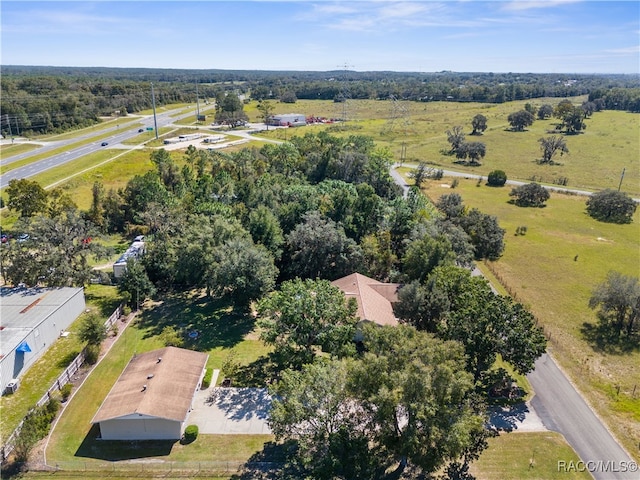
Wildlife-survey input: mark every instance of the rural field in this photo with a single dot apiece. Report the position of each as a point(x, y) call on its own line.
point(552, 269)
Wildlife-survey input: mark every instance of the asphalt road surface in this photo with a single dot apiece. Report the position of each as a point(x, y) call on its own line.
point(563, 409)
point(120, 135)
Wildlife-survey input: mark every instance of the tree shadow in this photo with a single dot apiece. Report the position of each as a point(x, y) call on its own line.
point(106, 305)
point(604, 337)
point(263, 371)
point(67, 359)
point(203, 322)
point(115, 450)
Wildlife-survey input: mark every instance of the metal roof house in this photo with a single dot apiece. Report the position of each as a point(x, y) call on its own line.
point(153, 396)
point(374, 298)
point(288, 120)
point(31, 320)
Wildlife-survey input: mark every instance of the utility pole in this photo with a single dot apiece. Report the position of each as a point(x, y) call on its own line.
point(9, 125)
point(153, 102)
point(197, 104)
point(621, 177)
point(17, 128)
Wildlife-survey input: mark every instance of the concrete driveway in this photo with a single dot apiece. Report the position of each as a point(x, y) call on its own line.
point(219, 410)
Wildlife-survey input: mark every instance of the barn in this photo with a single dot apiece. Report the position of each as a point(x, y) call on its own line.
point(153, 396)
point(32, 319)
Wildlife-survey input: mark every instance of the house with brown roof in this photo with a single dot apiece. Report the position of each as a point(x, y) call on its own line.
point(153, 396)
point(375, 299)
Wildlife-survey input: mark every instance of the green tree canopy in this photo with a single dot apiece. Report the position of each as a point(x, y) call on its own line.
point(305, 315)
point(618, 301)
point(92, 329)
point(520, 120)
point(530, 195)
point(406, 400)
point(611, 206)
point(26, 197)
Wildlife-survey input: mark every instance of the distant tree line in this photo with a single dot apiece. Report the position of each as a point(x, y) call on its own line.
point(51, 99)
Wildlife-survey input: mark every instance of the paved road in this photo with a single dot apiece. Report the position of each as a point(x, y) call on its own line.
point(562, 408)
point(120, 135)
point(453, 173)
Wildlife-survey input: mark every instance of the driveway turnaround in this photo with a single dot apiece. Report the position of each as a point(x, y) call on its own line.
point(221, 410)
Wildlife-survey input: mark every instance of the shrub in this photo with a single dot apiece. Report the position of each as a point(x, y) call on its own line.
point(206, 381)
point(455, 182)
point(611, 206)
point(190, 434)
point(497, 178)
point(65, 391)
point(91, 354)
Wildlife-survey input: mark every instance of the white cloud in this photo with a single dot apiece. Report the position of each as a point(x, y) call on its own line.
point(519, 5)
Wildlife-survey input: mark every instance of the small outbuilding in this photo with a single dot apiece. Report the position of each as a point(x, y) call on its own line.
point(153, 396)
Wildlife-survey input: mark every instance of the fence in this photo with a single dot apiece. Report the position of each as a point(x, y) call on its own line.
point(61, 381)
point(157, 469)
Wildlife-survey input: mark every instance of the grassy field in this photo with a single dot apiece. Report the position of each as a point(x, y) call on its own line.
point(553, 269)
point(595, 161)
point(525, 455)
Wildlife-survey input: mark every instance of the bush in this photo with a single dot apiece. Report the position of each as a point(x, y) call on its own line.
point(497, 178)
point(91, 354)
point(190, 434)
point(206, 381)
point(455, 182)
point(65, 391)
point(611, 206)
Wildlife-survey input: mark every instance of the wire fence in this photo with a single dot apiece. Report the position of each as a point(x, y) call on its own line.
point(58, 383)
point(154, 468)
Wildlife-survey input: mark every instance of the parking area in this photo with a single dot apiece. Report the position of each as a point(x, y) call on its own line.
point(220, 410)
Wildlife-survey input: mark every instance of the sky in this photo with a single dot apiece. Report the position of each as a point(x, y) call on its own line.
point(548, 36)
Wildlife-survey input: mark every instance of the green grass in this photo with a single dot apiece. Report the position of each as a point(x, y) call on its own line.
point(553, 269)
point(524, 455)
point(9, 150)
point(220, 329)
point(595, 160)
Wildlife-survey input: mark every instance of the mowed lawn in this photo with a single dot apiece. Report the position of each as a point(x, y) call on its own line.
point(529, 455)
point(553, 269)
point(221, 330)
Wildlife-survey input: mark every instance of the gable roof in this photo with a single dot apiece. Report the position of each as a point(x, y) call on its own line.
point(374, 298)
point(160, 383)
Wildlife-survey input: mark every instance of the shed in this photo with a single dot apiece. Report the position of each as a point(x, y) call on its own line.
point(32, 320)
point(153, 396)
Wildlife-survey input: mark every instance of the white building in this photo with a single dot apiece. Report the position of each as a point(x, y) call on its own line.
point(288, 120)
point(153, 396)
point(135, 251)
point(32, 319)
